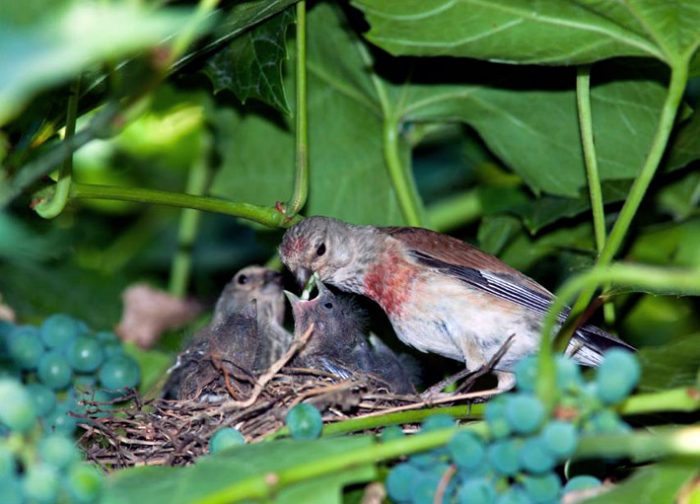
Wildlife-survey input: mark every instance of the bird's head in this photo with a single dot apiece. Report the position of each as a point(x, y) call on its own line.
point(328, 247)
point(252, 283)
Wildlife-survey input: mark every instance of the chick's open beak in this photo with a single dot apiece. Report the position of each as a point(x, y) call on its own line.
point(302, 275)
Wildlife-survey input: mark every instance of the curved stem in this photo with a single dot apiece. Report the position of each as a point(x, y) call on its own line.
point(455, 211)
point(402, 180)
point(583, 99)
point(301, 175)
point(679, 78)
point(54, 205)
point(263, 215)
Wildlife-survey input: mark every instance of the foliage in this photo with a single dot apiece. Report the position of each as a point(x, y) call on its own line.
point(560, 136)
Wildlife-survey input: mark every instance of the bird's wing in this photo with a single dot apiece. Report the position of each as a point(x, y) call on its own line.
point(458, 254)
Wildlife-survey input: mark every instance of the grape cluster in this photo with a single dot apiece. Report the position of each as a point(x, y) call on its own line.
point(47, 373)
point(516, 461)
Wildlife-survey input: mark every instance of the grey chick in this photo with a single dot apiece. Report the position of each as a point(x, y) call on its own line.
point(338, 344)
point(244, 337)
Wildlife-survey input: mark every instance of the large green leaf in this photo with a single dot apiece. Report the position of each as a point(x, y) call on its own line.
point(669, 366)
point(544, 32)
point(349, 178)
point(226, 473)
point(251, 65)
point(57, 47)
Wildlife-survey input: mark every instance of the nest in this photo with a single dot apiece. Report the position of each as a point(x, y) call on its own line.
point(168, 432)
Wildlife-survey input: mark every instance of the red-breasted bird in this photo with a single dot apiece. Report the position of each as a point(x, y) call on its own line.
point(244, 337)
point(441, 295)
point(338, 343)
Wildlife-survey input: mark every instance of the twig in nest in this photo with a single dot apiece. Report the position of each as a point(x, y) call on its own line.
point(469, 383)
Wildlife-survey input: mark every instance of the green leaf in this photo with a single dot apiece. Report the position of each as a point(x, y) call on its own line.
point(670, 366)
point(653, 484)
point(251, 65)
point(685, 147)
point(681, 197)
point(223, 477)
point(551, 32)
point(56, 48)
point(349, 178)
point(153, 364)
point(496, 231)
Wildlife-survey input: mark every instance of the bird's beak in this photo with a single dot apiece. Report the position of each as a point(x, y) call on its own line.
point(322, 289)
point(293, 298)
point(303, 274)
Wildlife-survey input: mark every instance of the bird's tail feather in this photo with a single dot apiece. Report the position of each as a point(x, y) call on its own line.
point(590, 343)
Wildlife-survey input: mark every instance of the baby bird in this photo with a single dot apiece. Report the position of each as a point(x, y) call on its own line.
point(244, 337)
point(338, 343)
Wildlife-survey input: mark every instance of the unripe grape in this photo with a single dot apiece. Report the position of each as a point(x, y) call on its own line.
point(60, 420)
point(54, 371)
point(391, 433)
point(25, 346)
point(581, 483)
point(43, 397)
point(119, 372)
point(543, 489)
point(304, 422)
point(568, 374)
point(514, 495)
point(476, 491)
point(84, 483)
point(495, 416)
point(8, 464)
point(534, 457)
point(85, 354)
point(40, 484)
point(58, 450)
point(560, 438)
point(467, 450)
point(16, 406)
point(526, 373)
point(11, 491)
point(106, 337)
point(424, 489)
point(503, 456)
point(225, 437)
point(401, 481)
point(617, 375)
point(58, 331)
point(437, 422)
point(524, 413)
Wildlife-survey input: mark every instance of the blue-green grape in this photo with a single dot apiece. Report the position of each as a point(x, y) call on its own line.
point(11, 491)
point(25, 346)
point(16, 407)
point(43, 397)
point(54, 371)
point(226, 437)
point(60, 420)
point(113, 350)
point(617, 375)
point(59, 330)
point(84, 382)
point(41, 483)
point(8, 463)
point(425, 460)
point(9, 369)
point(524, 413)
point(85, 354)
point(514, 495)
point(437, 422)
point(467, 450)
point(526, 373)
point(6, 328)
point(495, 416)
point(568, 374)
point(391, 433)
point(503, 456)
point(581, 483)
point(424, 490)
point(84, 483)
point(534, 457)
point(606, 422)
point(304, 422)
point(119, 372)
point(401, 482)
point(106, 337)
point(560, 438)
point(544, 488)
point(476, 491)
point(58, 451)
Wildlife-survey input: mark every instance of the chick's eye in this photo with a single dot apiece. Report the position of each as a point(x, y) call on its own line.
point(321, 249)
point(242, 280)
point(328, 306)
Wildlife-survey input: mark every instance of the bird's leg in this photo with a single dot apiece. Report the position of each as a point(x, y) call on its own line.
point(474, 362)
point(506, 380)
point(219, 366)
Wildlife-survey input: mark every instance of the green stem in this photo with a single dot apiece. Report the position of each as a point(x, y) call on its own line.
point(301, 174)
point(263, 215)
point(54, 205)
point(187, 35)
point(395, 418)
point(455, 211)
point(403, 182)
point(677, 399)
point(583, 99)
point(197, 181)
point(679, 77)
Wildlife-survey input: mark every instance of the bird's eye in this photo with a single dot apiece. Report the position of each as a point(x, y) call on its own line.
point(243, 279)
point(321, 249)
point(328, 306)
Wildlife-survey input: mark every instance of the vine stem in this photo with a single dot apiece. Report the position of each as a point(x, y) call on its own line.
point(197, 181)
point(300, 191)
point(266, 216)
point(54, 204)
point(678, 80)
point(583, 100)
